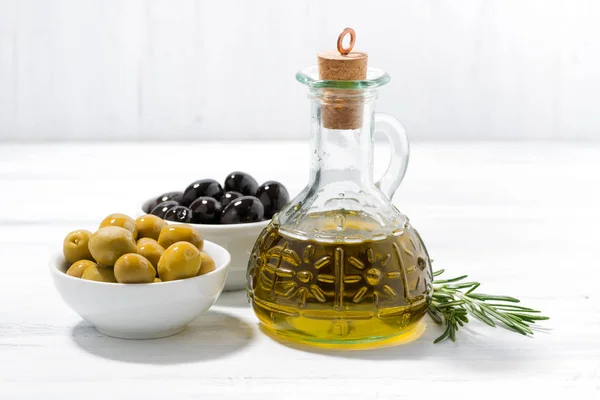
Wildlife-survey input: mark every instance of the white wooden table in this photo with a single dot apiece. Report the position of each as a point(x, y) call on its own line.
point(521, 218)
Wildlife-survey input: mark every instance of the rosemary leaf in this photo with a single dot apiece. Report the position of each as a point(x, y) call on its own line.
point(450, 306)
point(463, 318)
point(452, 332)
point(529, 316)
point(463, 285)
point(443, 336)
point(451, 303)
point(512, 307)
point(436, 282)
point(481, 296)
point(473, 288)
point(435, 315)
point(481, 316)
point(442, 295)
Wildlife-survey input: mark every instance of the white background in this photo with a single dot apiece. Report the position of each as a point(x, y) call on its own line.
point(149, 70)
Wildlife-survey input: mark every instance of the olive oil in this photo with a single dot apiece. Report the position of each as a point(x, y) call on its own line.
point(340, 291)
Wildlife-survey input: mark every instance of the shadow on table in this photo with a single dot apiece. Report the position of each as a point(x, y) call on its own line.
point(237, 299)
point(211, 336)
point(471, 350)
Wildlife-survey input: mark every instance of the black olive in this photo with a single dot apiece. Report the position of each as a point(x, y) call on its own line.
point(161, 209)
point(206, 210)
point(241, 182)
point(179, 214)
point(203, 187)
point(273, 195)
point(228, 197)
point(242, 210)
point(150, 204)
point(175, 196)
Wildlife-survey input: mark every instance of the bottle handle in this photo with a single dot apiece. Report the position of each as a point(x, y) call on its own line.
point(396, 169)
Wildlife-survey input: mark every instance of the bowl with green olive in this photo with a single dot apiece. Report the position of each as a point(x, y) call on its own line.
point(139, 279)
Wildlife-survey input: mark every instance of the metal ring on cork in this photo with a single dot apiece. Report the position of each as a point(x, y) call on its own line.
point(340, 46)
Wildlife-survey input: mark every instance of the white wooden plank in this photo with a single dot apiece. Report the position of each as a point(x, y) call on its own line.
point(519, 218)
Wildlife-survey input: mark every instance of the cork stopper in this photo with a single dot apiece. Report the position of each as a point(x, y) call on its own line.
point(334, 66)
point(342, 65)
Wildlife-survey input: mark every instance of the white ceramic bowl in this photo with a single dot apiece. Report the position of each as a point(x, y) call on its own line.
point(239, 240)
point(142, 311)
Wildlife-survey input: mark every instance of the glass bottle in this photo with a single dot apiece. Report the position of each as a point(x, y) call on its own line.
point(340, 266)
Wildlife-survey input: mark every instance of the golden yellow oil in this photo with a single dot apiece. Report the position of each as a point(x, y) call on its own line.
point(340, 292)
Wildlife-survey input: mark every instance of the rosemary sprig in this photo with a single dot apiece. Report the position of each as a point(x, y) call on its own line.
point(451, 303)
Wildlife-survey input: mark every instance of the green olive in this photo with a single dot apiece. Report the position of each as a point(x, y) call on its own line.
point(78, 267)
point(149, 226)
point(75, 246)
point(180, 233)
point(181, 260)
point(110, 243)
point(133, 268)
point(99, 274)
point(122, 220)
point(208, 264)
point(150, 249)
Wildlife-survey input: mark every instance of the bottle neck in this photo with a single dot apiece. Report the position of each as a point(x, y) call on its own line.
point(342, 157)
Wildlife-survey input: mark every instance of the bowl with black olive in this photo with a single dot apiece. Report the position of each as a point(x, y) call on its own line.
point(231, 213)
